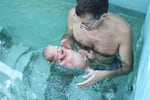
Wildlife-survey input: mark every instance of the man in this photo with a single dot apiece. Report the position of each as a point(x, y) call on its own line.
point(92, 27)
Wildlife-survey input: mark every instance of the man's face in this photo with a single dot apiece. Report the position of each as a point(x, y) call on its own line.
point(86, 21)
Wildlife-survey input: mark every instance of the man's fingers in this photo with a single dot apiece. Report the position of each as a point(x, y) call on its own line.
point(85, 83)
point(87, 75)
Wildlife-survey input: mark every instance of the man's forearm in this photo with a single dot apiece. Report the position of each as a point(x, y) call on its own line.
point(69, 37)
point(125, 69)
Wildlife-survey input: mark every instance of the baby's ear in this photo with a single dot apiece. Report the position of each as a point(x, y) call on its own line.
point(49, 61)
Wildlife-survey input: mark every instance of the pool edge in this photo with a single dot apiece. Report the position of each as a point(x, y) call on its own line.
point(142, 85)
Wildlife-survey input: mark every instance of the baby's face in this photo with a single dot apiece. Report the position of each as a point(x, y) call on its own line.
point(54, 53)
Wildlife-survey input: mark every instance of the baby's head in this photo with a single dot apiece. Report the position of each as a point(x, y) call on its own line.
point(53, 53)
point(50, 52)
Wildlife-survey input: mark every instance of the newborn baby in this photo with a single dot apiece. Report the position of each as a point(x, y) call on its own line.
point(65, 56)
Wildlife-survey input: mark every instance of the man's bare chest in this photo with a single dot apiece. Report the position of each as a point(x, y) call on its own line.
point(99, 41)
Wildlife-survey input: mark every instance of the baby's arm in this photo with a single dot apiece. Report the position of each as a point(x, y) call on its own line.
point(89, 54)
point(66, 64)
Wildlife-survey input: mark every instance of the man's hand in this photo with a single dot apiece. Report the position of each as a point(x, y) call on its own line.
point(92, 77)
point(65, 44)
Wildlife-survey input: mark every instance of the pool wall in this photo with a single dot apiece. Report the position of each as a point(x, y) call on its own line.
point(143, 79)
point(142, 91)
point(137, 5)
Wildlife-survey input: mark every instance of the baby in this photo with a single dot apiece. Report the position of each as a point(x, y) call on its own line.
point(65, 56)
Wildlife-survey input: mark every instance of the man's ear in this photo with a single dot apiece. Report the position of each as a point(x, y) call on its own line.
point(104, 15)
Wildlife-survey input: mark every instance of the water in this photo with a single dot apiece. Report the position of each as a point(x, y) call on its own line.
point(27, 26)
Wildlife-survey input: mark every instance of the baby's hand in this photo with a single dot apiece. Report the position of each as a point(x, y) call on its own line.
point(91, 54)
point(82, 51)
point(65, 44)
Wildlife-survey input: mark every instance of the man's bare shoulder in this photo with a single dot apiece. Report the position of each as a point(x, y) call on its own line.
point(123, 25)
point(72, 10)
point(120, 25)
point(120, 28)
point(71, 21)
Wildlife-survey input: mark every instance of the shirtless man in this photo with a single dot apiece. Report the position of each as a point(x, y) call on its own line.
point(91, 26)
point(68, 58)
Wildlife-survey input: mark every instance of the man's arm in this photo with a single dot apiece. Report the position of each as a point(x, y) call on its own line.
point(69, 30)
point(68, 36)
point(125, 52)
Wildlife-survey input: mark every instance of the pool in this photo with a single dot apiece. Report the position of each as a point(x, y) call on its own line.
point(143, 82)
point(27, 26)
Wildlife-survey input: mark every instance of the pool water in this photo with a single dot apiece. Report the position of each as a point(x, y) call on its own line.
point(26, 27)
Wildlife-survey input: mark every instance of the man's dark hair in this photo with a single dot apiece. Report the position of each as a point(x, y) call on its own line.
point(94, 7)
